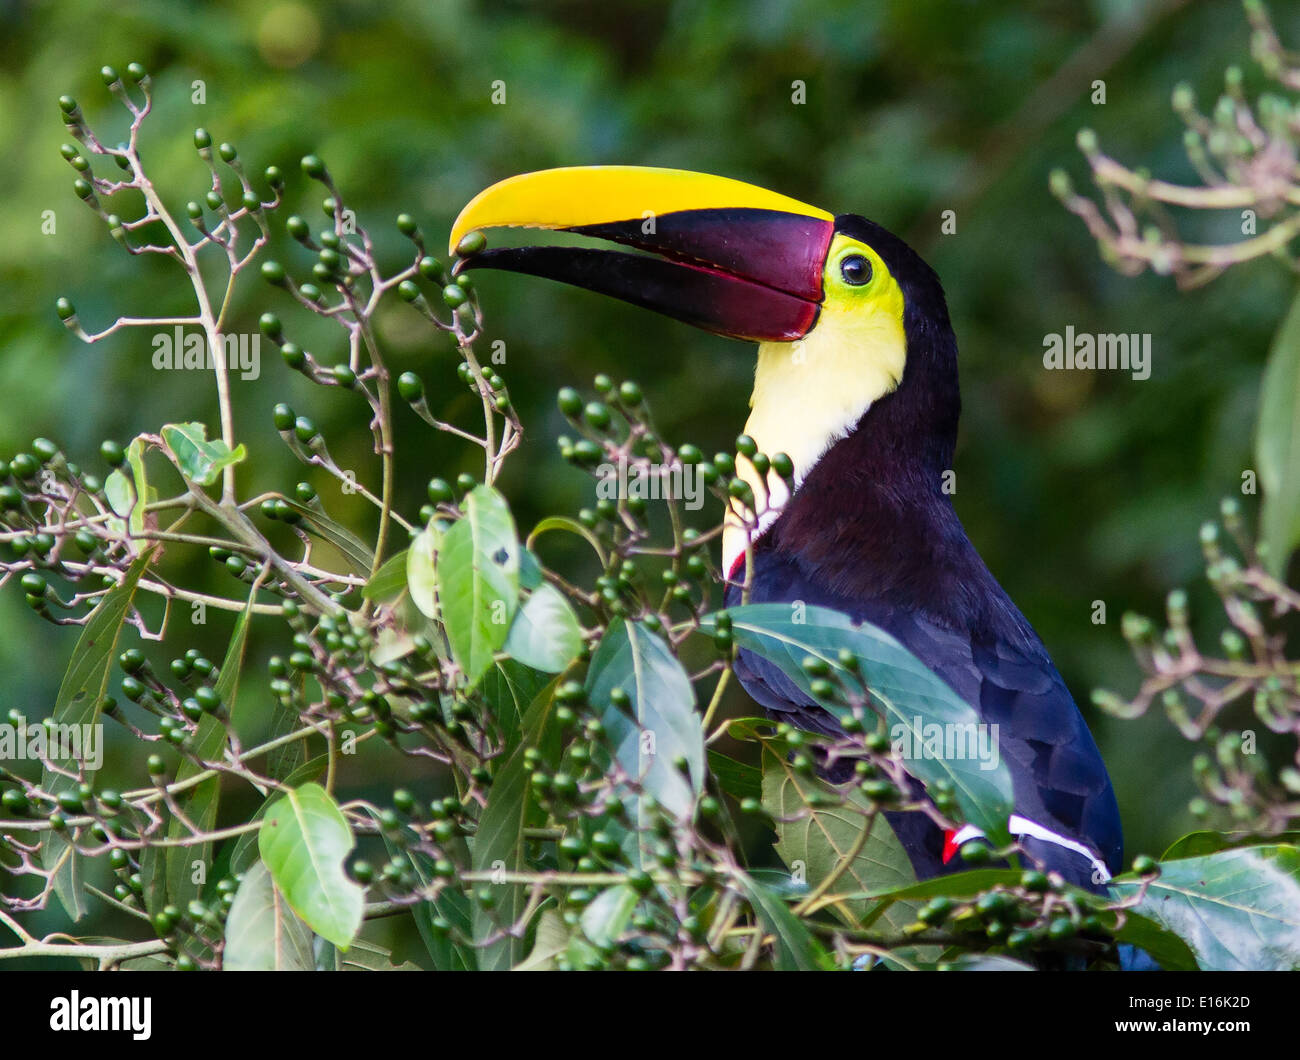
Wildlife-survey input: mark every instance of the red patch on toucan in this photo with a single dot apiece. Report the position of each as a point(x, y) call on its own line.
point(737, 564)
point(950, 847)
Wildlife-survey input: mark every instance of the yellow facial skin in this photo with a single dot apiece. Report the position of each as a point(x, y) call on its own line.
point(810, 393)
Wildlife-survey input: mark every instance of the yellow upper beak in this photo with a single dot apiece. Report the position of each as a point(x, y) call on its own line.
point(574, 196)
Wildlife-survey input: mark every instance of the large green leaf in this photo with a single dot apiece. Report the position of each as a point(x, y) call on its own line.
point(477, 576)
point(545, 633)
point(80, 699)
point(796, 948)
point(304, 840)
point(1237, 909)
point(499, 841)
point(910, 694)
point(817, 832)
point(663, 725)
point(200, 461)
point(1277, 443)
point(263, 934)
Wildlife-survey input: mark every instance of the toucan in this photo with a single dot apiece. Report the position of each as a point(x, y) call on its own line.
point(856, 382)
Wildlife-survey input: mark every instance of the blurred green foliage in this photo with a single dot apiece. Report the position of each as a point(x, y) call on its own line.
point(1075, 487)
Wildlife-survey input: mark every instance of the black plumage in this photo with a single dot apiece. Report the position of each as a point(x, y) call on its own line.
point(871, 532)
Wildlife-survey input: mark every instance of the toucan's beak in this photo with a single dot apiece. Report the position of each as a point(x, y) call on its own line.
point(731, 258)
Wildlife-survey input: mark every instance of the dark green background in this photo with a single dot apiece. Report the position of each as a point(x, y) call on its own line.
point(1076, 487)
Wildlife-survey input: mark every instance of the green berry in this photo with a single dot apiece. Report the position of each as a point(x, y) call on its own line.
point(570, 402)
point(410, 387)
point(314, 167)
point(471, 243)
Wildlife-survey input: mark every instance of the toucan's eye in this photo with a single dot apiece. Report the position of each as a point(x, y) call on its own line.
point(856, 270)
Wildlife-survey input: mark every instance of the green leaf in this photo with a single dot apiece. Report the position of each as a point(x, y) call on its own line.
point(549, 941)
point(349, 546)
point(530, 570)
point(508, 688)
point(477, 577)
point(1277, 444)
point(499, 842)
point(367, 957)
point(545, 633)
point(451, 904)
point(955, 885)
point(128, 496)
point(910, 694)
point(1162, 945)
point(389, 581)
point(572, 526)
point(420, 578)
point(605, 918)
point(1238, 910)
point(986, 962)
point(796, 948)
point(662, 705)
point(245, 855)
point(446, 950)
point(1197, 844)
point(740, 780)
point(304, 840)
point(263, 934)
point(200, 461)
point(820, 839)
point(80, 699)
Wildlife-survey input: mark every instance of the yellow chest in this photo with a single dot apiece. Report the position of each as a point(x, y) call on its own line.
point(810, 393)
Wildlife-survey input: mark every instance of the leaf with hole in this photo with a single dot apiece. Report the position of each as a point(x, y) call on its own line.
point(477, 580)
